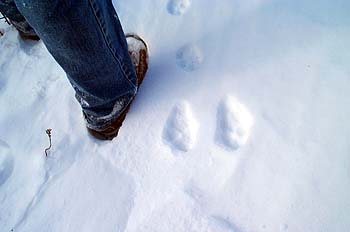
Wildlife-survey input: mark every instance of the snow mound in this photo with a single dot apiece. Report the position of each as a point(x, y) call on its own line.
point(234, 123)
point(178, 7)
point(181, 128)
point(6, 162)
point(189, 57)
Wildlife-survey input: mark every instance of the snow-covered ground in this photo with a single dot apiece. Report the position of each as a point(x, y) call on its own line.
point(242, 124)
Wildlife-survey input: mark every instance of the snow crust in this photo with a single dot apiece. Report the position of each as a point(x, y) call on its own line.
point(272, 157)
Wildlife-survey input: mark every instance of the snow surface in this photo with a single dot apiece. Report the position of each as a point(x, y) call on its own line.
point(178, 7)
point(285, 62)
point(181, 129)
point(234, 123)
point(189, 57)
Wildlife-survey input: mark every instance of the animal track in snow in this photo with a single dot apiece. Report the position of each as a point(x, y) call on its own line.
point(178, 7)
point(234, 122)
point(6, 162)
point(181, 128)
point(189, 57)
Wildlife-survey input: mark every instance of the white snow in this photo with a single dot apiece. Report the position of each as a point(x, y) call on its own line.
point(189, 57)
point(234, 123)
point(178, 7)
point(285, 64)
point(181, 129)
point(6, 162)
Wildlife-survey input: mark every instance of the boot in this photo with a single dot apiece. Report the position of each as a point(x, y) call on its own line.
point(138, 51)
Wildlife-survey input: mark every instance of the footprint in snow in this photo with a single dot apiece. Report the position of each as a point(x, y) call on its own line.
point(178, 7)
point(189, 57)
point(6, 162)
point(181, 128)
point(234, 122)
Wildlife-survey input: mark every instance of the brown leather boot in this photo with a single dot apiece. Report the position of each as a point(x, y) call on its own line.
point(138, 51)
point(24, 32)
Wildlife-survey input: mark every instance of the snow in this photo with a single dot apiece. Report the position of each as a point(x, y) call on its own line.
point(234, 123)
point(285, 64)
point(6, 162)
point(181, 129)
point(178, 7)
point(189, 57)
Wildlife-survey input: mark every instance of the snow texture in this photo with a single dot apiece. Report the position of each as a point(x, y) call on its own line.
point(178, 7)
point(6, 162)
point(234, 123)
point(283, 65)
point(189, 57)
point(181, 128)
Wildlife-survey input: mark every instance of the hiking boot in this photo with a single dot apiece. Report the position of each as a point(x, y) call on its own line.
point(138, 51)
point(26, 36)
point(25, 31)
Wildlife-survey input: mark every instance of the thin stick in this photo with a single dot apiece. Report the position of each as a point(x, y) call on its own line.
point(48, 132)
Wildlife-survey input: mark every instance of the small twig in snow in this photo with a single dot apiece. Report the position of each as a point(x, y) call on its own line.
point(48, 132)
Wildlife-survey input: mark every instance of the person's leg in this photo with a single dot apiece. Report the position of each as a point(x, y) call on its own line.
point(9, 9)
point(86, 39)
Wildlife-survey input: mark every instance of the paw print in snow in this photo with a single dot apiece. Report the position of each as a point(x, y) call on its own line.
point(181, 128)
point(178, 7)
point(189, 57)
point(233, 123)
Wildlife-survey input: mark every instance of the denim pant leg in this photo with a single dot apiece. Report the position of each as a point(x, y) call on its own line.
point(9, 10)
point(86, 39)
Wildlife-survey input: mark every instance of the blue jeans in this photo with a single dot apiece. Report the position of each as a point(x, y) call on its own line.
point(86, 39)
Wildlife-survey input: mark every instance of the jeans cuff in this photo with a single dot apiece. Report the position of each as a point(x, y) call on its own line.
point(99, 123)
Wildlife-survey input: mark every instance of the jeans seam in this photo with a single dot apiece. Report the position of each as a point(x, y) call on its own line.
point(108, 43)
